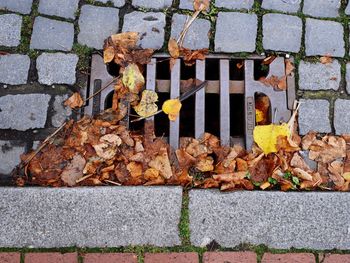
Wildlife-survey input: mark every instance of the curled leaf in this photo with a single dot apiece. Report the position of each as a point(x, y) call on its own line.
point(172, 107)
point(74, 101)
point(147, 106)
point(108, 54)
point(173, 48)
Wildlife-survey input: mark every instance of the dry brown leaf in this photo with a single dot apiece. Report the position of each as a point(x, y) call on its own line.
point(298, 162)
point(74, 101)
point(279, 83)
point(190, 56)
point(127, 40)
point(108, 54)
point(184, 159)
point(289, 67)
point(135, 169)
point(307, 140)
point(74, 170)
point(336, 170)
point(326, 59)
point(302, 174)
point(200, 5)
point(162, 164)
point(173, 48)
point(328, 150)
point(205, 164)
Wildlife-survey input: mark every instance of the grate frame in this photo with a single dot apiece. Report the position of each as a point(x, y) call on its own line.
point(281, 101)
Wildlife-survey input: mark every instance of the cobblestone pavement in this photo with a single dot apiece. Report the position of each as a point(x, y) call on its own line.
point(48, 45)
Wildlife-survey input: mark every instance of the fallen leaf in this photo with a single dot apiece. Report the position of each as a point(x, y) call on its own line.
point(172, 107)
point(190, 56)
point(200, 5)
point(279, 83)
point(205, 164)
point(135, 169)
point(74, 170)
point(162, 164)
point(289, 67)
point(133, 78)
point(74, 101)
point(126, 40)
point(326, 59)
point(108, 54)
point(302, 174)
point(173, 48)
point(147, 106)
point(266, 136)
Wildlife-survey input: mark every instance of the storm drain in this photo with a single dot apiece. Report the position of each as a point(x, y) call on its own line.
point(225, 108)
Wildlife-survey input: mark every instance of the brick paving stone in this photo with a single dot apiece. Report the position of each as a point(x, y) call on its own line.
point(52, 34)
point(334, 258)
point(229, 257)
point(348, 77)
point(229, 4)
point(149, 25)
point(10, 152)
point(342, 116)
point(61, 112)
point(23, 112)
point(51, 258)
point(65, 8)
point(116, 3)
point(235, 32)
point(288, 6)
point(96, 24)
point(196, 37)
point(57, 68)
point(289, 258)
point(318, 76)
point(189, 257)
point(14, 69)
point(156, 4)
point(314, 116)
point(14, 257)
point(10, 30)
point(282, 32)
point(324, 38)
point(317, 8)
point(110, 258)
point(20, 6)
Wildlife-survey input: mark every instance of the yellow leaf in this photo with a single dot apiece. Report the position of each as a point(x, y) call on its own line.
point(259, 115)
point(266, 136)
point(346, 176)
point(133, 79)
point(108, 54)
point(147, 106)
point(172, 108)
point(265, 185)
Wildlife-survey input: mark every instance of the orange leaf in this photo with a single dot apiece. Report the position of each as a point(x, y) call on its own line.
point(74, 101)
point(173, 48)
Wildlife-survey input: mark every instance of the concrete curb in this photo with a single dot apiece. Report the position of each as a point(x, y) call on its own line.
point(89, 217)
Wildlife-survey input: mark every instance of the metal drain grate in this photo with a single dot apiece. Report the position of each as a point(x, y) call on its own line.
point(226, 107)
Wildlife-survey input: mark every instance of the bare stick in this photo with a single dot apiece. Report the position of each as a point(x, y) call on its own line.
point(83, 178)
point(111, 182)
point(186, 28)
point(103, 88)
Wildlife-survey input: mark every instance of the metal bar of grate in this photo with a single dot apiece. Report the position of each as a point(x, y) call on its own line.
point(225, 102)
point(151, 81)
point(174, 131)
point(200, 101)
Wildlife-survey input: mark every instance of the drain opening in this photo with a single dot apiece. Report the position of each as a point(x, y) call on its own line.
point(260, 70)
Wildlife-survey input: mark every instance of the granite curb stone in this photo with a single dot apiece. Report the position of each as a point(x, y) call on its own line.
point(156, 4)
point(57, 68)
point(150, 26)
point(229, 4)
point(65, 8)
point(282, 32)
point(324, 38)
point(14, 69)
point(235, 32)
point(52, 34)
point(63, 217)
point(318, 76)
point(196, 37)
point(319, 8)
point(255, 217)
point(10, 30)
point(23, 112)
point(342, 116)
point(20, 6)
point(10, 152)
point(288, 6)
point(314, 116)
point(96, 24)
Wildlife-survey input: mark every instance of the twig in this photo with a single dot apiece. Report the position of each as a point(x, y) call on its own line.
point(183, 97)
point(103, 88)
point(83, 178)
point(111, 182)
point(186, 28)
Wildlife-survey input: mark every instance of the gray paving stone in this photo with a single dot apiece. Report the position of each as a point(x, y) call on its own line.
point(149, 25)
point(318, 76)
point(10, 155)
point(116, 3)
point(324, 38)
point(196, 37)
point(156, 4)
point(61, 112)
point(243, 4)
point(52, 34)
point(186, 4)
point(96, 24)
point(314, 116)
point(342, 116)
point(23, 112)
point(10, 30)
point(20, 6)
point(56, 68)
point(90, 217)
point(347, 9)
point(235, 32)
point(282, 32)
point(348, 77)
point(65, 8)
point(288, 6)
point(314, 220)
point(14, 69)
point(325, 8)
